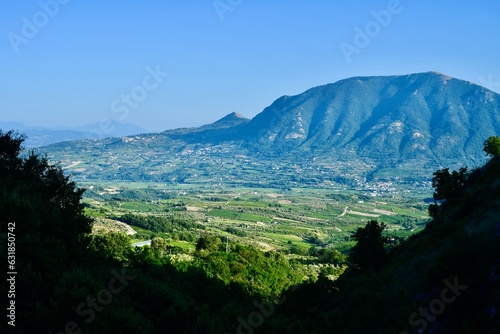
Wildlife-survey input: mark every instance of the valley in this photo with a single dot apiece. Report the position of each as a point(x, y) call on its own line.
point(305, 173)
point(378, 134)
point(344, 207)
point(250, 167)
point(301, 176)
point(291, 221)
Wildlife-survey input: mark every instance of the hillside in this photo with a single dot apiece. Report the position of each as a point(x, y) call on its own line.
point(420, 116)
point(442, 280)
point(356, 131)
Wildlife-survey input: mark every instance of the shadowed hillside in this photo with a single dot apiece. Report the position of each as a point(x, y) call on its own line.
point(445, 279)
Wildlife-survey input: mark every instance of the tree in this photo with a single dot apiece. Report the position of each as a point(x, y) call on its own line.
point(492, 146)
point(159, 244)
point(112, 245)
point(209, 243)
point(332, 256)
point(39, 198)
point(449, 187)
point(369, 251)
point(10, 148)
point(43, 209)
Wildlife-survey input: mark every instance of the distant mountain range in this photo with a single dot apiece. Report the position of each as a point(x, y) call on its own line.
point(386, 126)
point(41, 136)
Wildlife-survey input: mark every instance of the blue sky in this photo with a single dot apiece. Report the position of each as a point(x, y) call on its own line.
point(86, 61)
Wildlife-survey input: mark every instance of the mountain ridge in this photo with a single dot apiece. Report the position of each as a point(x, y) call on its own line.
point(355, 111)
point(396, 117)
point(38, 136)
point(389, 127)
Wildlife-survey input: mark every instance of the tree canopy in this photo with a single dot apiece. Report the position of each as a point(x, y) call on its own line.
point(492, 146)
point(71, 281)
point(369, 251)
point(50, 225)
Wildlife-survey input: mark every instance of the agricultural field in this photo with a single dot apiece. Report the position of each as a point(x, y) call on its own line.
point(291, 221)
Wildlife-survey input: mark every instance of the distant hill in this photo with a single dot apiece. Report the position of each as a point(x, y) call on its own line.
point(40, 136)
point(229, 121)
point(357, 130)
point(217, 131)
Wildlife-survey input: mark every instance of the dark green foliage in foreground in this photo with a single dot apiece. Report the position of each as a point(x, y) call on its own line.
point(50, 228)
point(69, 281)
point(445, 279)
point(449, 188)
point(369, 252)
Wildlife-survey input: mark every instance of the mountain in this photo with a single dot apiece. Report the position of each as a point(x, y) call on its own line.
point(357, 130)
point(41, 136)
point(427, 116)
point(14, 125)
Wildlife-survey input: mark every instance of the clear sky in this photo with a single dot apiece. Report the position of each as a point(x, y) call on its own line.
point(166, 64)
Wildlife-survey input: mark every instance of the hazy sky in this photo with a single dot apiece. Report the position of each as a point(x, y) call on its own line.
point(166, 64)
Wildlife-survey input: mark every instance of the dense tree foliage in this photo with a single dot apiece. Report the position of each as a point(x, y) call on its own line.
point(70, 281)
point(112, 245)
point(50, 226)
point(369, 251)
point(442, 280)
point(492, 146)
point(326, 255)
point(209, 243)
point(159, 224)
point(449, 187)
